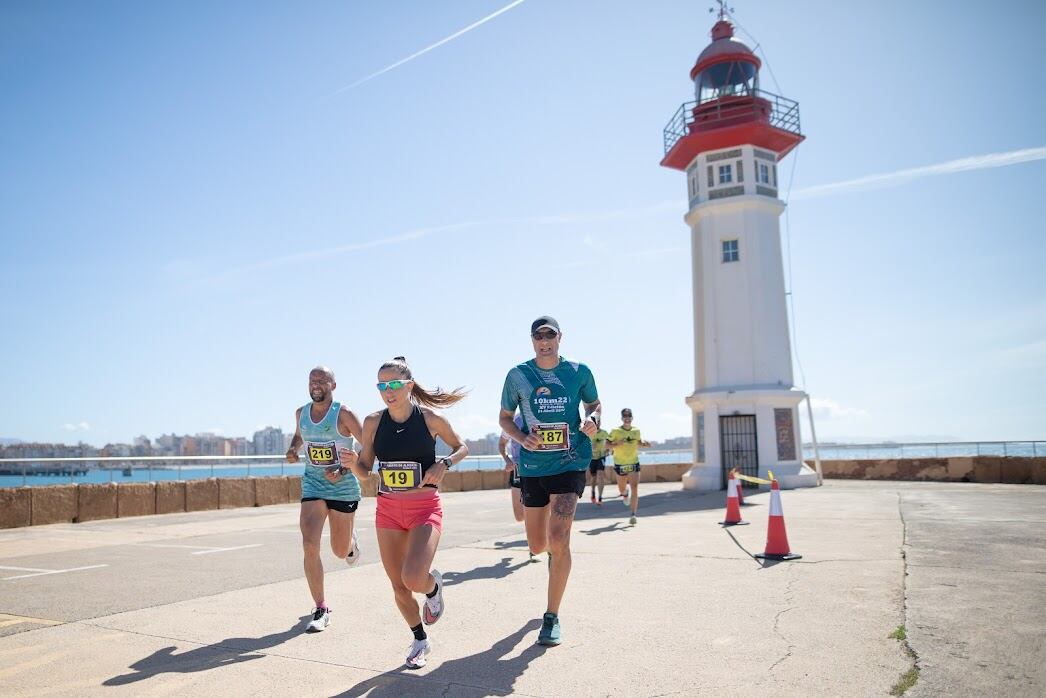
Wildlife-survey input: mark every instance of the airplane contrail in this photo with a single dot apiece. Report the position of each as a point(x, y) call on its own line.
point(976, 162)
point(425, 50)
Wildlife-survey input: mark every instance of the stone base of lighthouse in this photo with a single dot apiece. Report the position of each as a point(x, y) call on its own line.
point(750, 428)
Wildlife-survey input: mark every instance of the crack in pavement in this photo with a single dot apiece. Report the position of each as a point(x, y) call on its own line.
point(777, 618)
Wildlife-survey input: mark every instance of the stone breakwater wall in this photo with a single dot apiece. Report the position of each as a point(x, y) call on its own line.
point(75, 503)
point(1015, 470)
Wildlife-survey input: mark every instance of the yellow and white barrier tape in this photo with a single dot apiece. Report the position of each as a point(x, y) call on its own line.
point(756, 480)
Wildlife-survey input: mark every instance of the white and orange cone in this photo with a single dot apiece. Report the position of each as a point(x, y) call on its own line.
point(776, 536)
point(733, 509)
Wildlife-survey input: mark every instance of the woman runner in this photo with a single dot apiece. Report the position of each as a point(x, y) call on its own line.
point(409, 516)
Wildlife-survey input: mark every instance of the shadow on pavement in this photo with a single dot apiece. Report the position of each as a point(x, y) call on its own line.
point(496, 571)
point(503, 544)
point(616, 526)
point(232, 650)
point(482, 674)
point(653, 504)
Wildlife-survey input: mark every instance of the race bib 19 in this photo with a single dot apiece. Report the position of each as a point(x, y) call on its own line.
point(398, 476)
point(322, 454)
point(553, 437)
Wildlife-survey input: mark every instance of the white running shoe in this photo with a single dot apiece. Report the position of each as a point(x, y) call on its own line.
point(434, 607)
point(321, 618)
point(353, 558)
point(417, 654)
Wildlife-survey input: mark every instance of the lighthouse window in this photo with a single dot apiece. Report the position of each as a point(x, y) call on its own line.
point(725, 174)
point(711, 182)
point(764, 174)
point(740, 172)
point(730, 253)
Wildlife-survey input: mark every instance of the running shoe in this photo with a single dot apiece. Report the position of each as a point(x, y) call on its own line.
point(593, 499)
point(600, 502)
point(434, 607)
point(532, 558)
point(321, 618)
point(632, 520)
point(417, 653)
point(353, 558)
point(550, 634)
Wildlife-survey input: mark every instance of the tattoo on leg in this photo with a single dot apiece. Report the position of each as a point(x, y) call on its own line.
point(563, 505)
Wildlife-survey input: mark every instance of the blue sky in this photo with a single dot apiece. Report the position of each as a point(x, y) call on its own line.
point(194, 210)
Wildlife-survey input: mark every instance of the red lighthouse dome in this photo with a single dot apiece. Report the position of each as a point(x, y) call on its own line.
point(730, 108)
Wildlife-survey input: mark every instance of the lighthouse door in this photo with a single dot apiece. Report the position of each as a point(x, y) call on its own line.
point(738, 447)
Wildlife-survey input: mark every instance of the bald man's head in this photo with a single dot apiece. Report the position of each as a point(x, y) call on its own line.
point(321, 383)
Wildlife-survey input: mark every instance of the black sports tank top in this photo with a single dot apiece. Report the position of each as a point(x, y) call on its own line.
point(409, 441)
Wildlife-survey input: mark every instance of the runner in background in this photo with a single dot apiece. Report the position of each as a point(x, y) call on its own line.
point(597, 467)
point(509, 451)
point(330, 489)
point(626, 442)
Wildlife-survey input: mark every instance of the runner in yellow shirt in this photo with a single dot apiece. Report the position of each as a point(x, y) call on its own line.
point(597, 466)
point(626, 442)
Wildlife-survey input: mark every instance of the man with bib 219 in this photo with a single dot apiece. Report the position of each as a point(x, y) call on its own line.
point(330, 486)
point(548, 390)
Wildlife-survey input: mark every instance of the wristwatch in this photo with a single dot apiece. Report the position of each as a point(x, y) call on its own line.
point(445, 461)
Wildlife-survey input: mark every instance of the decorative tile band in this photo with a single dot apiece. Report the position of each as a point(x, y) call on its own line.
point(725, 155)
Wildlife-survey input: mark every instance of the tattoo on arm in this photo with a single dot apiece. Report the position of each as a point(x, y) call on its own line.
point(564, 505)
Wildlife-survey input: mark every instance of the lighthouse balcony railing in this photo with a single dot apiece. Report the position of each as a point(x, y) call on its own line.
point(783, 113)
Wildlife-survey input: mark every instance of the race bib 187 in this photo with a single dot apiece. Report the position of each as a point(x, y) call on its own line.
point(554, 436)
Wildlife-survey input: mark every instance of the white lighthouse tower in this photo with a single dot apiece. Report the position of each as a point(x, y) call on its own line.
point(729, 142)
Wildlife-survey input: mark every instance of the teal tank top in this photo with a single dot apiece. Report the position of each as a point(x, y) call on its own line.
point(321, 443)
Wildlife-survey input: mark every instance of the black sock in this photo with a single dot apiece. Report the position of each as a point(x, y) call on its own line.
point(433, 592)
point(419, 632)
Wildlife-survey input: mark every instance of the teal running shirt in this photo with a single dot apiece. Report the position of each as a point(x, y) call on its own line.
point(321, 443)
point(550, 402)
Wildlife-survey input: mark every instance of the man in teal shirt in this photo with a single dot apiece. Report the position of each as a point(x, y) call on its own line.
point(549, 391)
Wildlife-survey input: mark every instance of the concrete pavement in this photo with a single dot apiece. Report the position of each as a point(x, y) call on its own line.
point(214, 603)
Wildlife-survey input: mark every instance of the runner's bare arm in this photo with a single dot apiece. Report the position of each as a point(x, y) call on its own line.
point(503, 450)
point(439, 426)
point(528, 441)
point(370, 427)
point(588, 426)
point(296, 441)
point(349, 424)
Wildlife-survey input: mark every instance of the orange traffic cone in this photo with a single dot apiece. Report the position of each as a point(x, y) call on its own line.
point(740, 490)
point(733, 510)
point(776, 536)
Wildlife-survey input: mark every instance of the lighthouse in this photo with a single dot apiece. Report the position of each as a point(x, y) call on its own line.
point(729, 141)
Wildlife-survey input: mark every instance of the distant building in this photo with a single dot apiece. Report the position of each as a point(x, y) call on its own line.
point(270, 441)
point(238, 446)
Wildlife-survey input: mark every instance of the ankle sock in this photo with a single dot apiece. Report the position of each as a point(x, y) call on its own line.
point(419, 632)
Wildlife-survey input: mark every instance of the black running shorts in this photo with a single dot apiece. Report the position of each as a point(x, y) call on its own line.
point(536, 491)
point(596, 465)
point(336, 504)
point(634, 466)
